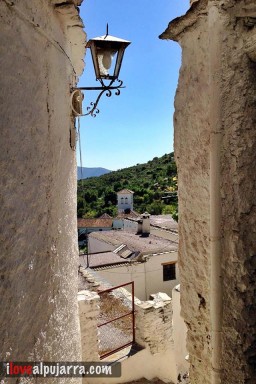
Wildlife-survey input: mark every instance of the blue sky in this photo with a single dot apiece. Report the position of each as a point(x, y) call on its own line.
point(137, 125)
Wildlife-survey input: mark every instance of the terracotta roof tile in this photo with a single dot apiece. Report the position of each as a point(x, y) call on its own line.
point(125, 191)
point(105, 216)
point(94, 223)
point(123, 215)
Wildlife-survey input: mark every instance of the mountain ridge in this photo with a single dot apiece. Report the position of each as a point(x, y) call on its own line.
point(86, 172)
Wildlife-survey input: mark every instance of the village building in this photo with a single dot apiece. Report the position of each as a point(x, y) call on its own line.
point(119, 220)
point(148, 260)
point(86, 226)
point(125, 200)
point(116, 259)
point(161, 225)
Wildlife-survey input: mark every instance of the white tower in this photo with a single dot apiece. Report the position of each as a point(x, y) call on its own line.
point(125, 200)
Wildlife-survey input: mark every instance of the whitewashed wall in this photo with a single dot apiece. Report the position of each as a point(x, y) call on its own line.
point(147, 277)
point(124, 201)
point(42, 49)
point(217, 184)
point(130, 225)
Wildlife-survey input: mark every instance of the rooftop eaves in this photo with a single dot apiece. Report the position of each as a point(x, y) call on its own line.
point(164, 222)
point(136, 243)
point(103, 259)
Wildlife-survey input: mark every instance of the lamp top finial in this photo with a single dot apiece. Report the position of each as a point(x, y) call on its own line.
point(107, 30)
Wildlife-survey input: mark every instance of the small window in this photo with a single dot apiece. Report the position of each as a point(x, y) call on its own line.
point(169, 271)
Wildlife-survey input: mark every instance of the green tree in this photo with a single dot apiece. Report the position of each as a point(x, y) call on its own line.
point(97, 195)
point(155, 208)
point(110, 198)
point(80, 206)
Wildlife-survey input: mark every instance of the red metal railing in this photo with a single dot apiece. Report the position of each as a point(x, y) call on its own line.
point(117, 320)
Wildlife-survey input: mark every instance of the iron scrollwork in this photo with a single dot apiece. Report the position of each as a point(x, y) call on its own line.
point(92, 108)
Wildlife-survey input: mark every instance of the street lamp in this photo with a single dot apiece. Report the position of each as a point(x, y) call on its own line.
point(107, 55)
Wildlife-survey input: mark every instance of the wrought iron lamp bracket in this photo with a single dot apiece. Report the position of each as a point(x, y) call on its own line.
point(76, 97)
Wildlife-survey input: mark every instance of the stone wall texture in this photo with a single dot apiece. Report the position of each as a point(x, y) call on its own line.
point(151, 315)
point(89, 312)
point(39, 63)
point(157, 357)
point(192, 138)
point(216, 98)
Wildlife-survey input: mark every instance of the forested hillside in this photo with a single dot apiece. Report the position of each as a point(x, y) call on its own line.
point(154, 185)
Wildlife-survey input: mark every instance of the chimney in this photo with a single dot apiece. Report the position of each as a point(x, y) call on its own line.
point(139, 229)
point(145, 224)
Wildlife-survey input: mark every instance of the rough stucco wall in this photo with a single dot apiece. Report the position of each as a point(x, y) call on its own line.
point(89, 312)
point(191, 143)
point(238, 188)
point(39, 314)
point(191, 126)
point(235, 117)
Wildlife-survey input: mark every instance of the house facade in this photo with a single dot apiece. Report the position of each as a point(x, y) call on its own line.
point(125, 200)
point(151, 262)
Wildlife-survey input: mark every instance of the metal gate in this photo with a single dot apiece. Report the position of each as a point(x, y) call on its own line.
point(116, 323)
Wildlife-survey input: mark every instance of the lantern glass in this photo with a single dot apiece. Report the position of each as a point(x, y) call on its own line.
point(107, 54)
point(106, 60)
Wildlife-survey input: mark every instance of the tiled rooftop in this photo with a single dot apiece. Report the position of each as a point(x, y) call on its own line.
point(105, 216)
point(102, 259)
point(164, 222)
point(94, 223)
point(146, 245)
point(125, 191)
point(131, 214)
